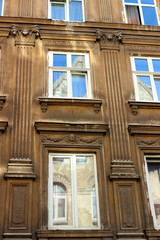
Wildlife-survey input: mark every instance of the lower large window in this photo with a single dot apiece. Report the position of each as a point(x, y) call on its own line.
point(146, 74)
point(72, 192)
point(153, 180)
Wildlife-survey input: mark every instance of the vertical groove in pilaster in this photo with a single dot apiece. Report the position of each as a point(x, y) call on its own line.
point(120, 147)
point(25, 8)
point(21, 140)
point(105, 10)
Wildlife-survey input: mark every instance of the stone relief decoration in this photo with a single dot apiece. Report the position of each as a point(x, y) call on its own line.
point(68, 43)
point(71, 139)
point(148, 142)
point(25, 35)
point(109, 40)
point(2, 101)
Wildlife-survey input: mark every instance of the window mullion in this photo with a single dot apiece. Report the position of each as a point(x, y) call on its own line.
point(75, 192)
point(141, 14)
point(67, 10)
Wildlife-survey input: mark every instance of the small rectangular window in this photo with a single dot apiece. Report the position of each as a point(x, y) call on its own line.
point(153, 182)
point(69, 75)
point(66, 10)
point(141, 12)
point(73, 192)
point(146, 75)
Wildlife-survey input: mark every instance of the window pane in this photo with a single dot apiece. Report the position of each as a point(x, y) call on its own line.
point(1, 2)
point(133, 15)
point(61, 208)
point(141, 64)
point(150, 17)
point(59, 60)
point(85, 171)
point(157, 84)
point(147, 1)
point(78, 61)
point(61, 176)
point(75, 11)
point(58, 11)
point(144, 88)
point(94, 204)
point(156, 65)
point(154, 177)
point(79, 85)
point(60, 84)
point(131, 1)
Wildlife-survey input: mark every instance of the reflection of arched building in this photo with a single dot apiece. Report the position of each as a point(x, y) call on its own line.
point(74, 198)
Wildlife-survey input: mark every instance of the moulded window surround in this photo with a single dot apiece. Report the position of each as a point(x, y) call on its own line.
point(152, 166)
point(69, 75)
point(141, 12)
point(1, 7)
point(78, 205)
point(66, 10)
point(146, 76)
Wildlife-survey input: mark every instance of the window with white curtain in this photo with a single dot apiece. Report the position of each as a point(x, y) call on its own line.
point(146, 75)
point(1, 7)
point(141, 12)
point(73, 192)
point(69, 75)
point(67, 10)
point(152, 164)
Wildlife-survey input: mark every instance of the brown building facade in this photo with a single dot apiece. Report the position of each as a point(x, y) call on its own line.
point(79, 119)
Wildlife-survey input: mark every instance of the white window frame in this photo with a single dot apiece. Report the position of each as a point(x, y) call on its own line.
point(150, 73)
point(140, 5)
point(148, 159)
point(69, 70)
point(74, 192)
point(66, 9)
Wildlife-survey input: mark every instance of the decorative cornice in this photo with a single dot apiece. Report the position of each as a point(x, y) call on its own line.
point(2, 101)
point(71, 127)
point(3, 126)
point(71, 139)
point(144, 129)
point(135, 105)
point(25, 35)
point(96, 103)
point(109, 40)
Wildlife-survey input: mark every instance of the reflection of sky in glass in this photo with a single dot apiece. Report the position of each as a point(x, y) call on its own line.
point(60, 84)
point(149, 14)
point(147, 1)
point(141, 64)
point(58, 11)
point(59, 60)
point(144, 87)
point(131, 1)
point(1, 1)
point(156, 65)
point(78, 61)
point(75, 11)
point(78, 85)
point(157, 84)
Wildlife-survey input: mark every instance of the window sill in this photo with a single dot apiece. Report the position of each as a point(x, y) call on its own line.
point(44, 102)
point(46, 234)
point(135, 105)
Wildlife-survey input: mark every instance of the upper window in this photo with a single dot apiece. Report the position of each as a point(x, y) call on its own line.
point(146, 74)
point(153, 182)
point(1, 7)
point(67, 10)
point(69, 75)
point(141, 12)
point(72, 192)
